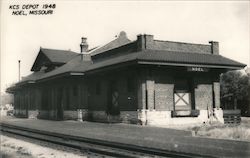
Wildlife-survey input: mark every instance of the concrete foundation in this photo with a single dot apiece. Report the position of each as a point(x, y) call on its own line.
point(218, 115)
point(129, 117)
point(158, 118)
point(32, 114)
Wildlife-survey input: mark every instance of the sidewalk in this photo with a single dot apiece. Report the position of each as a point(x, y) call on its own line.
point(161, 138)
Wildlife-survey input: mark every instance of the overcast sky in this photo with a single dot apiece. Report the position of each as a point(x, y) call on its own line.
point(196, 22)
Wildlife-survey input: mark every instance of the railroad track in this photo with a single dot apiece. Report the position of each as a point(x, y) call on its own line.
point(88, 145)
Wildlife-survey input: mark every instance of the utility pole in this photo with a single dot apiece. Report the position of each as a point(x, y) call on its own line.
point(19, 65)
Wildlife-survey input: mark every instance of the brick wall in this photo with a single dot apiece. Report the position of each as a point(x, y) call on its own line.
point(43, 114)
point(216, 86)
point(70, 115)
point(129, 117)
point(150, 86)
point(182, 47)
point(203, 97)
point(101, 116)
point(164, 96)
point(148, 42)
point(97, 115)
point(160, 89)
point(162, 83)
point(141, 94)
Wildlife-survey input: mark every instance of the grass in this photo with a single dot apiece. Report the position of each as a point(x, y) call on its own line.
point(235, 132)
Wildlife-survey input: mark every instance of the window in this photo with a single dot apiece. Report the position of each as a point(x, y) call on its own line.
point(182, 95)
point(98, 88)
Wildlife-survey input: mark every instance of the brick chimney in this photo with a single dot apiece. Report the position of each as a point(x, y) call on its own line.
point(84, 45)
point(214, 47)
point(145, 42)
point(84, 48)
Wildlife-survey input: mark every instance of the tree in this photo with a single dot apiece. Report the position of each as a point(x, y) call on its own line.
point(6, 99)
point(236, 85)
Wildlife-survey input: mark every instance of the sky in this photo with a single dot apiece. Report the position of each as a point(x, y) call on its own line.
point(227, 22)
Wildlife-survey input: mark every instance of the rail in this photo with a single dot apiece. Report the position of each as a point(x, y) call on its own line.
point(107, 148)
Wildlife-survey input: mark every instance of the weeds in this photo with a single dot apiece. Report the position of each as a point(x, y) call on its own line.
point(236, 132)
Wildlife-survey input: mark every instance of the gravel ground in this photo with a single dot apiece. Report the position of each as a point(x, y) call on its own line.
point(161, 138)
point(17, 148)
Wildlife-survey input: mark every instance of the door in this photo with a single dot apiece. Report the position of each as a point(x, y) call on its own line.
point(113, 99)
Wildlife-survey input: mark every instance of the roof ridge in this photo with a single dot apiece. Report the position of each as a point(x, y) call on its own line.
point(118, 38)
point(125, 45)
point(58, 50)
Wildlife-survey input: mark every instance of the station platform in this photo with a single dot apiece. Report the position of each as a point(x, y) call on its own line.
point(152, 137)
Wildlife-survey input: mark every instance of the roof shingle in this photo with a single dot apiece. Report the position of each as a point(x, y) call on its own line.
point(192, 58)
point(122, 50)
point(59, 56)
point(178, 58)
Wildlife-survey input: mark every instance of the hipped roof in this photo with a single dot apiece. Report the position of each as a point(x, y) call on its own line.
point(148, 57)
point(117, 53)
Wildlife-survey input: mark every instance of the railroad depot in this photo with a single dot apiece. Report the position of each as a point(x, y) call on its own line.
point(145, 81)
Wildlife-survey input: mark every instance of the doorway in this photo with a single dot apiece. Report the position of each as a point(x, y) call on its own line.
point(113, 99)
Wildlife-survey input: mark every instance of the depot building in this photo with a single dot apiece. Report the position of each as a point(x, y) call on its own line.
point(146, 81)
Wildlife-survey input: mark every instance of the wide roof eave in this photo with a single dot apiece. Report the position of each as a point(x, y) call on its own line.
point(234, 67)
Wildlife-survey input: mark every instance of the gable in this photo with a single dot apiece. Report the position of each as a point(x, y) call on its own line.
point(59, 56)
point(41, 60)
point(52, 58)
